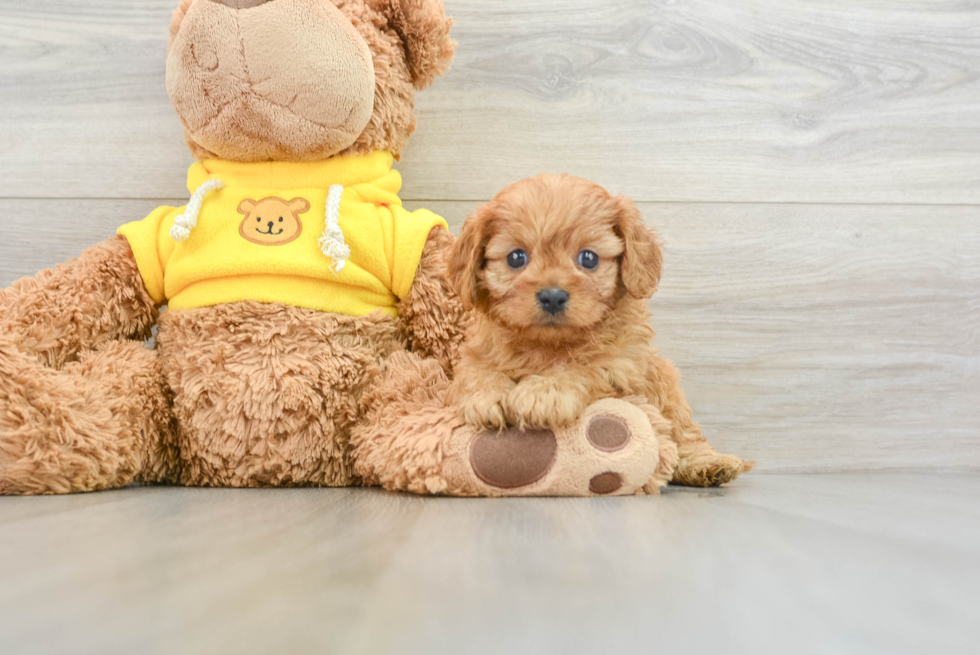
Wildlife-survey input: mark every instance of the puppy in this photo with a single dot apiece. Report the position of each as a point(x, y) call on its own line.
point(558, 274)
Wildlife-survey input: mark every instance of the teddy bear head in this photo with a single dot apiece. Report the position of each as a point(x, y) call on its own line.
point(302, 80)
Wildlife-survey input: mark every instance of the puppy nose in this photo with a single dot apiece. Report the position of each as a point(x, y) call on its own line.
point(553, 300)
point(241, 4)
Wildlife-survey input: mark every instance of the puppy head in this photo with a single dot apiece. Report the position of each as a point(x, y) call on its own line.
point(552, 255)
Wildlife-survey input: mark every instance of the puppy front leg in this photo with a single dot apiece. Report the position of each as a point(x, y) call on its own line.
point(480, 394)
point(546, 401)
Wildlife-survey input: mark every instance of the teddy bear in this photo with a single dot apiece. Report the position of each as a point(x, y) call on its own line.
point(306, 324)
point(289, 277)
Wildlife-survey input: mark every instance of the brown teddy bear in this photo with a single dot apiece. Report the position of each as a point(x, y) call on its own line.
point(311, 329)
point(277, 321)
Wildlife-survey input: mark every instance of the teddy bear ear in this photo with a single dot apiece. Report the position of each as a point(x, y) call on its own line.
point(179, 13)
point(424, 30)
point(246, 206)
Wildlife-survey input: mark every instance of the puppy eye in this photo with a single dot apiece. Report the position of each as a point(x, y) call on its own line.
point(517, 259)
point(280, 219)
point(588, 260)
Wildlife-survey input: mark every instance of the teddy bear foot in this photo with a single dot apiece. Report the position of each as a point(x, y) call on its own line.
point(611, 451)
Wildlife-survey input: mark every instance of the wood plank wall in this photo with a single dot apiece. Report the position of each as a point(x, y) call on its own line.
point(814, 167)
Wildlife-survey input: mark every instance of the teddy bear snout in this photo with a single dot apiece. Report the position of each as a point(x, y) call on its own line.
point(241, 4)
point(296, 72)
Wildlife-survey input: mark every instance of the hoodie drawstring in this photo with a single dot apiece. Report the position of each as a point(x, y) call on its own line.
point(332, 242)
point(183, 224)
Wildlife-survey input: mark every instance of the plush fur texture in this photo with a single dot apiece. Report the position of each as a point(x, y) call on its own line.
point(240, 394)
point(524, 366)
point(265, 394)
point(80, 409)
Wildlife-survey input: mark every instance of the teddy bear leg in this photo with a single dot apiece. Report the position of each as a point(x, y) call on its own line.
point(410, 440)
point(101, 422)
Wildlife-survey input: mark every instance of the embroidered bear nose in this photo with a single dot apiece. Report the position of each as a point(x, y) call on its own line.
point(241, 4)
point(553, 300)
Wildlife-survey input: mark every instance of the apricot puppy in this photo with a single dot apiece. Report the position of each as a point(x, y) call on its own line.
point(559, 274)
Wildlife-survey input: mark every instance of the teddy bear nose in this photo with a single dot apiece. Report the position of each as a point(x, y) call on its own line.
point(241, 4)
point(553, 300)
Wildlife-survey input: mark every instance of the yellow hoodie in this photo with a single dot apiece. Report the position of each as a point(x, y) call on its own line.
point(268, 232)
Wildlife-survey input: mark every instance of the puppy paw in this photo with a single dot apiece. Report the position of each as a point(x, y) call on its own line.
point(544, 402)
point(710, 470)
point(480, 396)
point(483, 410)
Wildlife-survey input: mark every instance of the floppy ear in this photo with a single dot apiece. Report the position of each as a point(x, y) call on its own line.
point(247, 206)
point(424, 31)
point(299, 205)
point(641, 262)
point(466, 259)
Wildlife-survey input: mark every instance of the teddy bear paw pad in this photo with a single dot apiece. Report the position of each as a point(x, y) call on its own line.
point(513, 458)
point(608, 433)
point(606, 483)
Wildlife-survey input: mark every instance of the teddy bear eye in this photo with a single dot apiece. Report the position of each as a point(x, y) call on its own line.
point(517, 259)
point(588, 260)
point(280, 219)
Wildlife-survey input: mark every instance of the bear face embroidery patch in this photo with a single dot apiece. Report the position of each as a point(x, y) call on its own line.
point(273, 221)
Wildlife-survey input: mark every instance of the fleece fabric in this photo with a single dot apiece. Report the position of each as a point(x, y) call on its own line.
point(258, 238)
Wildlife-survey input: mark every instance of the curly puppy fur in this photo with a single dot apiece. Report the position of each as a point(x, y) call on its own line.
point(523, 365)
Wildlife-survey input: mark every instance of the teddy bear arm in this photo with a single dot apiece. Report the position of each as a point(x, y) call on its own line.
point(79, 305)
point(432, 315)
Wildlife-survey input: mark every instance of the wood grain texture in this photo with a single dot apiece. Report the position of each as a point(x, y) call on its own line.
point(873, 563)
point(810, 337)
point(694, 100)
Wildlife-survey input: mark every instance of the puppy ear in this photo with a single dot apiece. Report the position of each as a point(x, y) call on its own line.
point(246, 206)
point(424, 31)
point(641, 262)
point(466, 259)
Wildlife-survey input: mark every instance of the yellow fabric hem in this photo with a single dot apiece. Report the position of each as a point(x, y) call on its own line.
point(306, 293)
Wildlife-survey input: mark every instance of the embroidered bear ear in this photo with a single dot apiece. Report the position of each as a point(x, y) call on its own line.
point(423, 28)
point(247, 206)
point(299, 205)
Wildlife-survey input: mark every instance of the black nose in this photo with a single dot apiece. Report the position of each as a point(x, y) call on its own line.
point(553, 300)
point(270, 224)
point(241, 4)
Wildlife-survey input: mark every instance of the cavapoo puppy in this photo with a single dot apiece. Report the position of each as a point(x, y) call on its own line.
point(559, 274)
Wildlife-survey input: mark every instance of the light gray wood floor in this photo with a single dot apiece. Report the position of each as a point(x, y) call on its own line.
point(814, 168)
point(831, 563)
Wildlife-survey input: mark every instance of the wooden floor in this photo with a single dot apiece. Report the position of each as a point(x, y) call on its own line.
point(831, 563)
point(814, 168)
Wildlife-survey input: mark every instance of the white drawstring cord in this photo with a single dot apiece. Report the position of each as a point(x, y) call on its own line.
point(332, 242)
point(183, 224)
